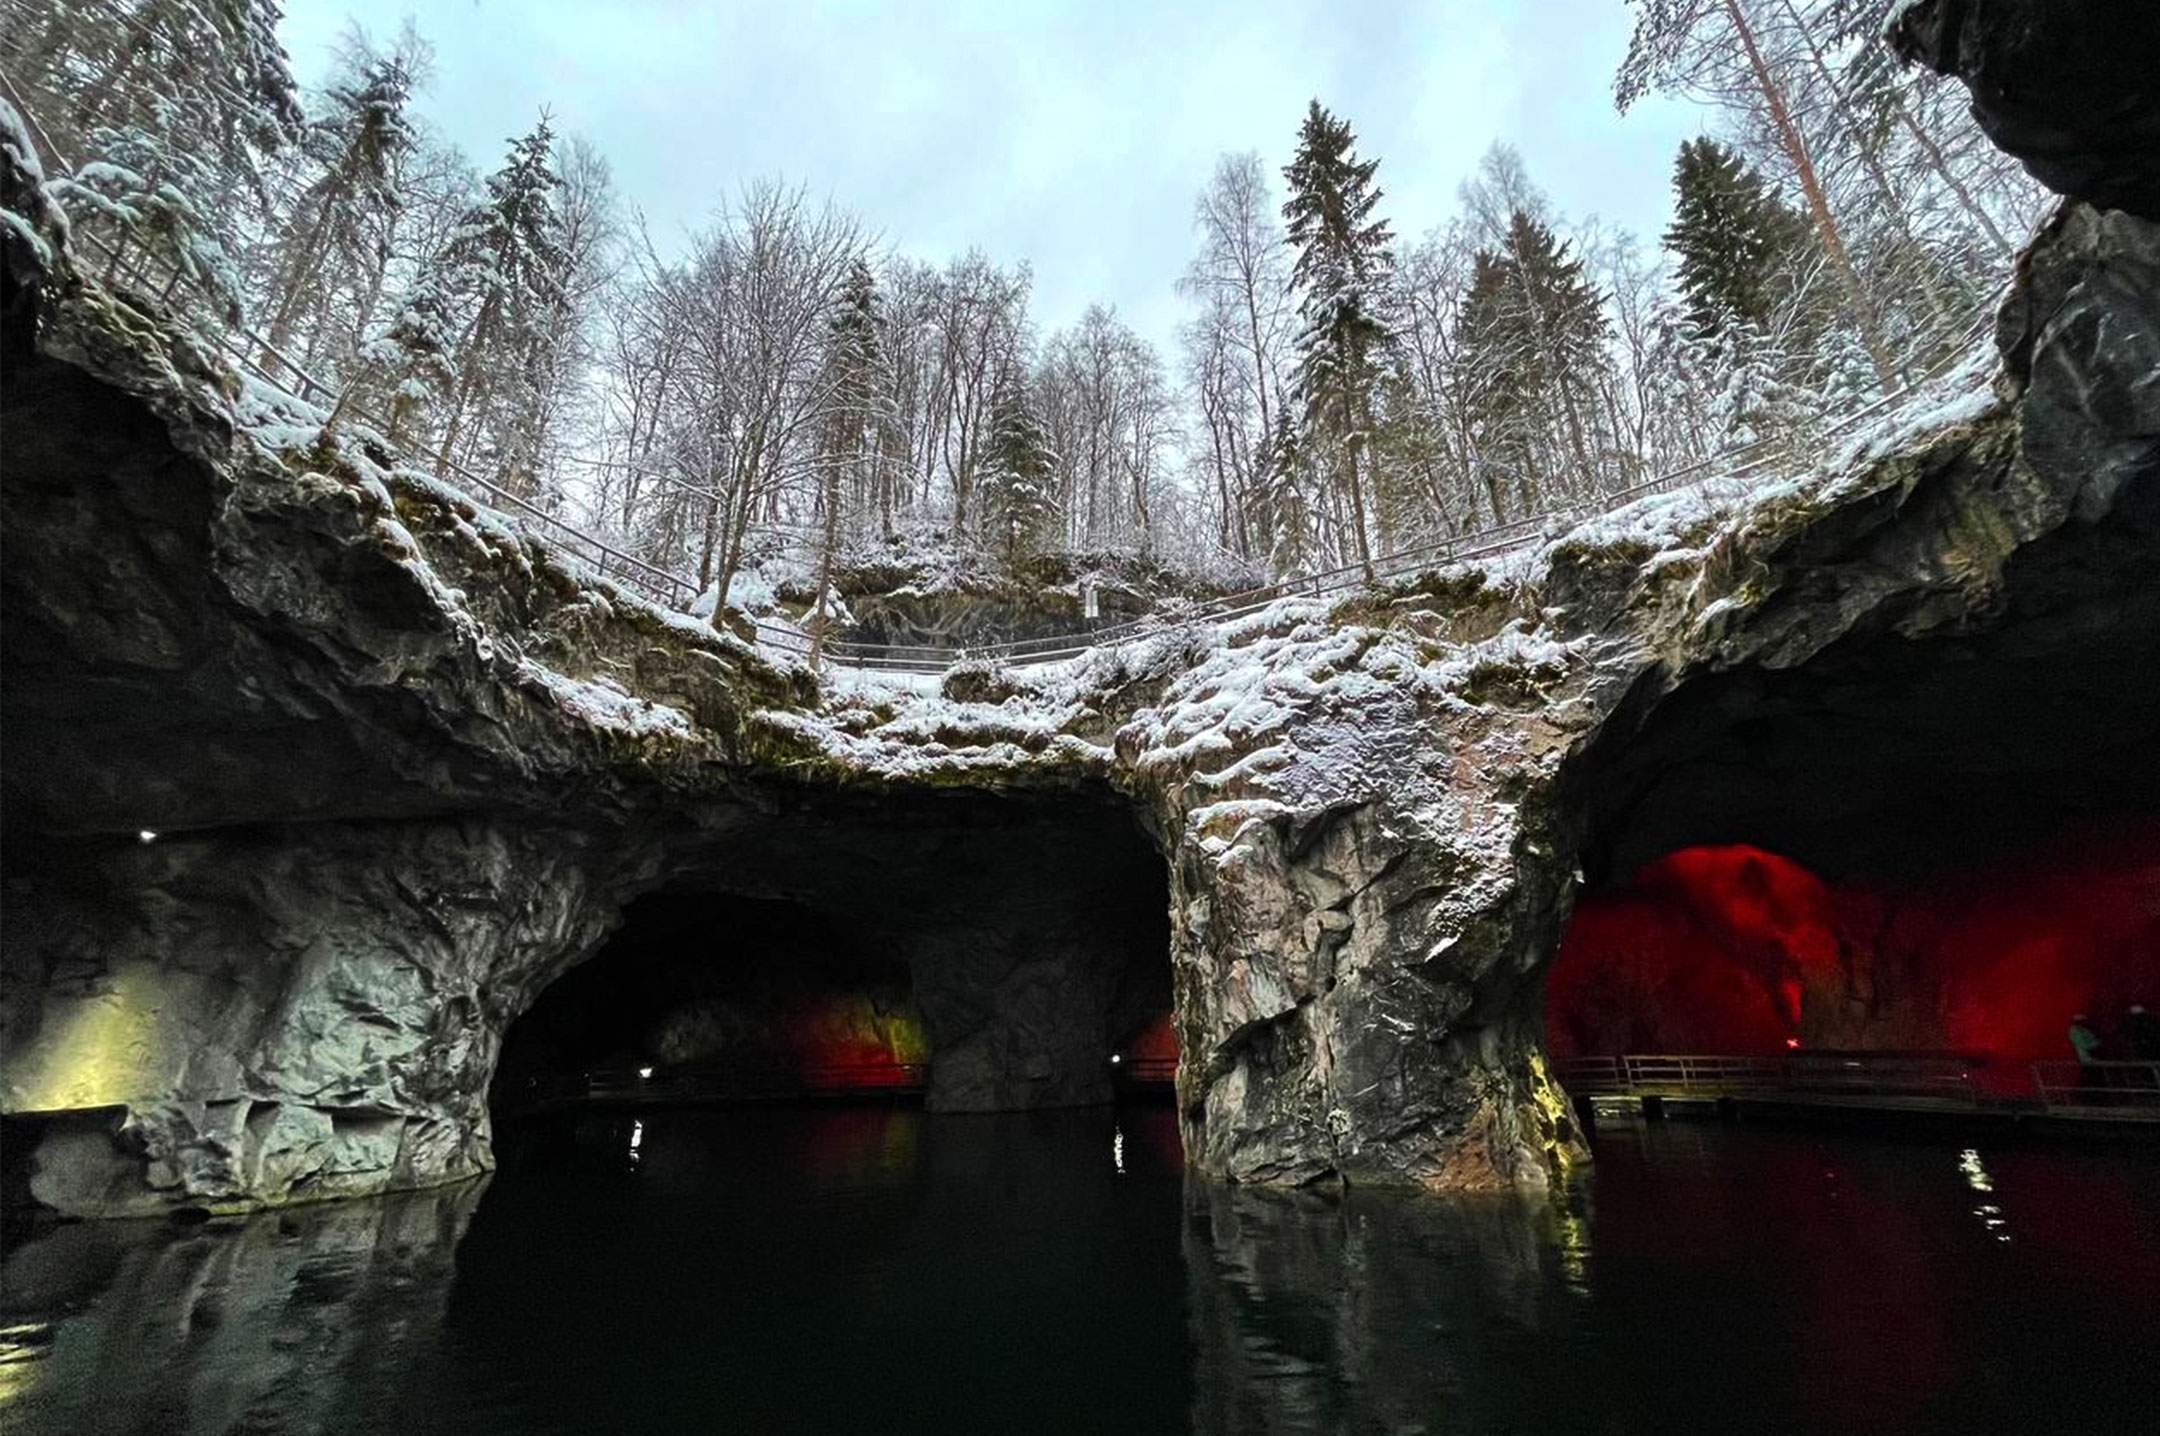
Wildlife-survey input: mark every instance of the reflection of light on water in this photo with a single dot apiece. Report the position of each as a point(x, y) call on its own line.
point(637, 1139)
point(21, 1348)
point(1977, 1177)
point(1117, 1148)
point(1574, 1248)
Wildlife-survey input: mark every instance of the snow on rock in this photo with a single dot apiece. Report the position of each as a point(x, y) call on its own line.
point(605, 703)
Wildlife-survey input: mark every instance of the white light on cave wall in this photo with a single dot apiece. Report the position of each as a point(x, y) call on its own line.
point(146, 836)
point(644, 1073)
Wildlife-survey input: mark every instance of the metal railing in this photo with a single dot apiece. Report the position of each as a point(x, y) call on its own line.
point(248, 351)
point(1814, 1075)
point(2084, 1088)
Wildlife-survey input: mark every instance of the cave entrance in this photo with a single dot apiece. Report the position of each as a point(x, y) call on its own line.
point(987, 953)
point(1731, 949)
point(741, 996)
point(1949, 845)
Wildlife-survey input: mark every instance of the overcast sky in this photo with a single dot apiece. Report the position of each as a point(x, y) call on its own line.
point(1071, 135)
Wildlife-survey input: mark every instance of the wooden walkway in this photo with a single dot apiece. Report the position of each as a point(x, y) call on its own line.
point(1946, 1084)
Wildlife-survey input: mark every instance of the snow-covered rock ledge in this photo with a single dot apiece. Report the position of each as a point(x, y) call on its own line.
point(405, 767)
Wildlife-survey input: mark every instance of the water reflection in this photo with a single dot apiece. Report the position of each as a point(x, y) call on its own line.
point(830, 1269)
point(268, 1323)
point(1371, 1310)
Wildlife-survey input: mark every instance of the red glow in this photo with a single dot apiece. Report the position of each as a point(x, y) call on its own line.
point(1157, 1042)
point(1733, 949)
point(845, 1041)
point(1707, 950)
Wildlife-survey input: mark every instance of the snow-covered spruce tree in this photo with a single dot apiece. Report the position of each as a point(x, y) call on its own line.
point(327, 247)
point(1019, 476)
point(505, 264)
point(860, 419)
point(403, 368)
point(1410, 493)
point(1341, 269)
point(1533, 336)
point(1733, 240)
point(167, 109)
point(1287, 513)
point(554, 404)
point(852, 443)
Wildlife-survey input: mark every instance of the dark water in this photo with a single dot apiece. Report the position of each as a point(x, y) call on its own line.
point(883, 1271)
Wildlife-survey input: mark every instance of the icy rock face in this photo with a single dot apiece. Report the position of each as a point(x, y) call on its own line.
point(402, 767)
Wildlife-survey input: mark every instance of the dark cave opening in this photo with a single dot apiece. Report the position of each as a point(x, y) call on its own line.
point(993, 953)
point(756, 995)
point(1948, 844)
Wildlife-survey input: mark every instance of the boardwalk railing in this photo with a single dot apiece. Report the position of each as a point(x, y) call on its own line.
point(1813, 1075)
point(2117, 1089)
point(255, 357)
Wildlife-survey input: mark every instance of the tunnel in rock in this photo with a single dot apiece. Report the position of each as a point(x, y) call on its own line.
point(1000, 948)
point(1950, 843)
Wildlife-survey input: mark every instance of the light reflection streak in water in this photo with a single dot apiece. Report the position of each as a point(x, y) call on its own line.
point(1977, 1177)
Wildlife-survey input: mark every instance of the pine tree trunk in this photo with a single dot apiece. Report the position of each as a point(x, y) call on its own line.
point(462, 385)
point(710, 542)
point(1795, 147)
point(296, 288)
point(1912, 127)
point(741, 504)
point(1357, 510)
point(1872, 163)
point(825, 567)
point(1252, 318)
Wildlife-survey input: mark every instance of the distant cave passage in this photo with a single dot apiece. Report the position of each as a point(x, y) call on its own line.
point(997, 955)
point(1733, 949)
point(765, 993)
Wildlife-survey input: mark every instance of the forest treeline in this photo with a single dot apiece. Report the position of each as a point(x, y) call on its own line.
point(1338, 390)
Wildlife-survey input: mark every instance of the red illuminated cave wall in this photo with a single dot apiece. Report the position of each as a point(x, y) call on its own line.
point(865, 1034)
point(1156, 1042)
point(1734, 949)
